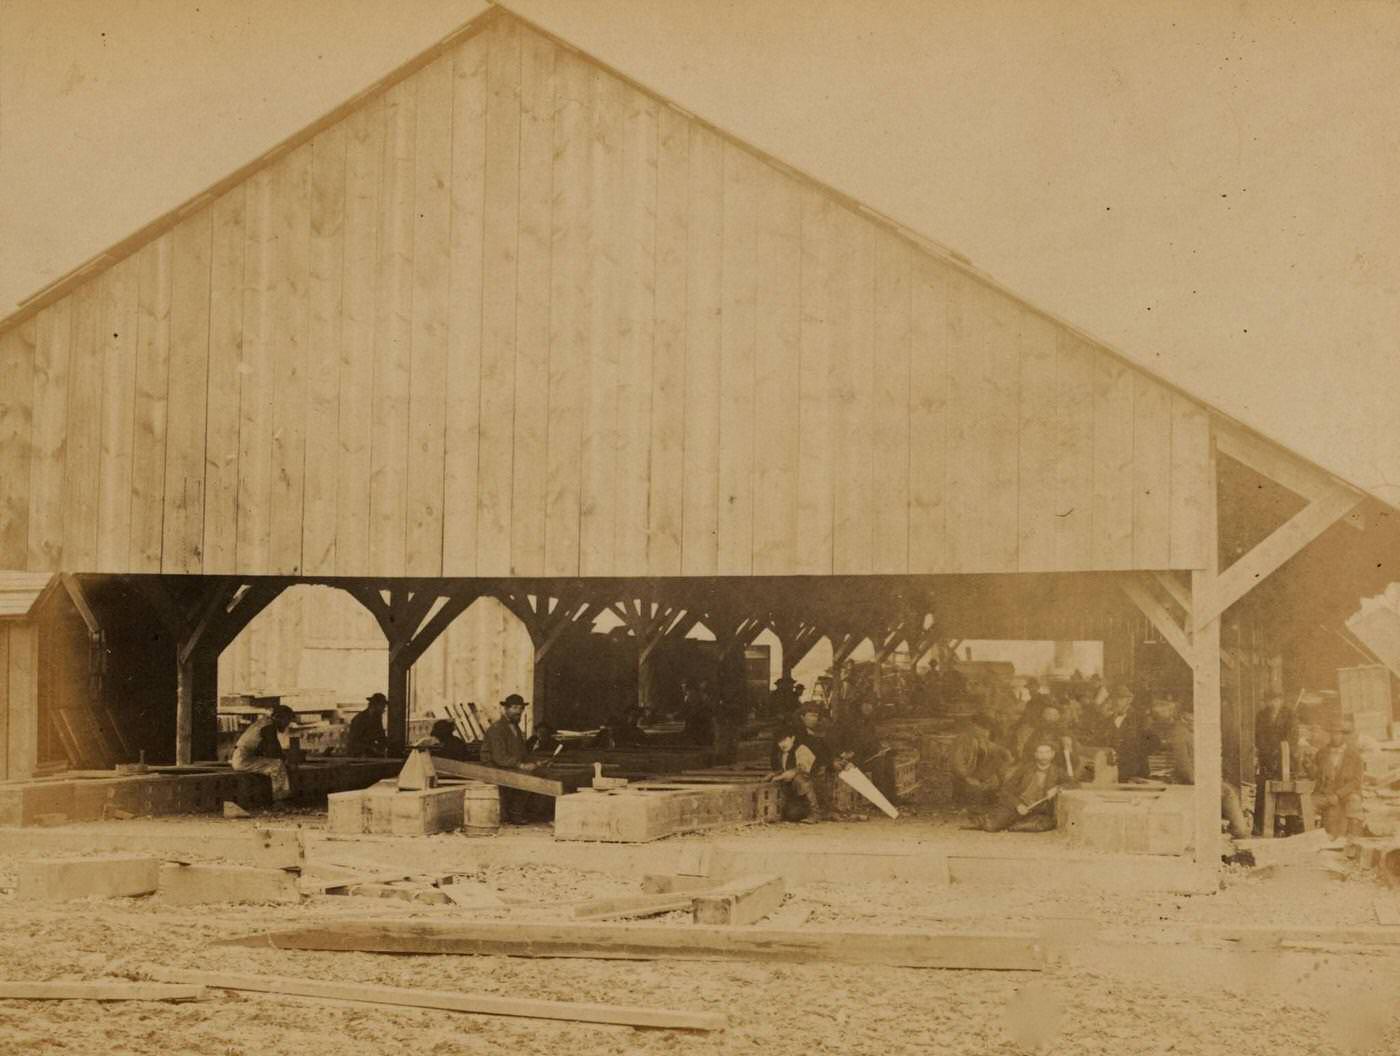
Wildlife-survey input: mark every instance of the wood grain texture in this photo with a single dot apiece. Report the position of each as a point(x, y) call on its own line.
point(891, 376)
point(1074, 454)
point(569, 320)
point(739, 279)
point(601, 428)
point(999, 520)
point(292, 224)
point(364, 157)
point(325, 339)
point(500, 240)
point(82, 456)
point(5, 709)
point(967, 467)
point(117, 334)
point(704, 341)
point(256, 376)
point(530, 465)
point(393, 336)
point(636, 317)
point(1113, 464)
point(52, 352)
point(1190, 481)
point(852, 368)
point(928, 417)
point(225, 358)
point(182, 535)
point(1152, 455)
point(461, 435)
point(777, 372)
point(23, 665)
point(1039, 451)
point(814, 430)
point(427, 402)
point(668, 411)
point(17, 396)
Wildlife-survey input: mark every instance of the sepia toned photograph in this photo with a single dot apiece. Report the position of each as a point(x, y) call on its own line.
point(699, 527)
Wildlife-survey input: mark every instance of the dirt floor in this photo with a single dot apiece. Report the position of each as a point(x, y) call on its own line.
point(1128, 974)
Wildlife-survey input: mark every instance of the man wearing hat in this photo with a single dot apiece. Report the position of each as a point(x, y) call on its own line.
point(504, 747)
point(366, 738)
point(1169, 742)
point(793, 767)
point(812, 737)
point(1123, 730)
point(259, 750)
point(1340, 774)
point(449, 745)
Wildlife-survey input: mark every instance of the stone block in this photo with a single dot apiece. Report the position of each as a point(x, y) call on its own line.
point(346, 812)
point(383, 809)
point(22, 804)
point(195, 884)
point(109, 876)
point(278, 849)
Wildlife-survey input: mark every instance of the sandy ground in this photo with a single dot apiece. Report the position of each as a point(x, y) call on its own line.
point(1125, 977)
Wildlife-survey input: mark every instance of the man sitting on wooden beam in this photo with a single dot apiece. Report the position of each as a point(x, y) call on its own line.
point(259, 750)
point(504, 747)
point(793, 766)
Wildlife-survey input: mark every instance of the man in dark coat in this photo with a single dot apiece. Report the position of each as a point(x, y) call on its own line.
point(978, 764)
point(449, 745)
point(1275, 725)
point(366, 738)
point(1027, 799)
point(504, 748)
point(1171, 740)
point(1340, 774)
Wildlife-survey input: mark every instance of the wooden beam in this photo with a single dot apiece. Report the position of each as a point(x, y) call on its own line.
point(625, 906)
point(244, 611)
point(1283, 543)
point(99, 991)
point(901, 947)
point(1205, 690)
point(456, 604)
point(1179, 592)
point(739, 902)
point(543, 786)
point(371, 598)
point(1163, 620)
point(1273, 462)
point(214, 605)
point(454, 1001)
point(78, 596)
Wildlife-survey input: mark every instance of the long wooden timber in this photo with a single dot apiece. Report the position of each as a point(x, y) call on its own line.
point(644, 812)
point(194, 790)
point(642, 942)
point(518, 779)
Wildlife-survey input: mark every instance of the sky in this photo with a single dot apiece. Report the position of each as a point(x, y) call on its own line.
point(1208, 187)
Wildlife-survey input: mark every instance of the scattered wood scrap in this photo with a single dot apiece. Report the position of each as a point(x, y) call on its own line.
point(606, 941)
point(16, 991)
point(662, 884)
point(484, 1004)
point(633, 906)
point(743, 901)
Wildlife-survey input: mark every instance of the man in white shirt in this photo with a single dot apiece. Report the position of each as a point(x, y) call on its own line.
point(793, 763)
point(259, 750)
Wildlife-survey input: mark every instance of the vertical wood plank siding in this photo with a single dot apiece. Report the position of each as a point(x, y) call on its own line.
point(514, 316)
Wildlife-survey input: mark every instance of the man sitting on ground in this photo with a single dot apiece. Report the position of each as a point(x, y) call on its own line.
point(978, 764)
point(793, 764)
point(1027, 801)
point(365, 738)
point(259, 750)
point(1340, 774)
point(449, 745)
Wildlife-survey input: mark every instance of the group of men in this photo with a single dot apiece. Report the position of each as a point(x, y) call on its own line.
point(807, 756)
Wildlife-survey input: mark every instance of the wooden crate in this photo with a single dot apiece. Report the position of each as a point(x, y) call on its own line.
point(645, 812)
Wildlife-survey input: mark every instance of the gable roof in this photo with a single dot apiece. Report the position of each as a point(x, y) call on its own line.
point(153, 230)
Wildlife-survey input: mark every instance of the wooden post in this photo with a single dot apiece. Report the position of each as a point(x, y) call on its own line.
point(398, 706)
point(1205, 648)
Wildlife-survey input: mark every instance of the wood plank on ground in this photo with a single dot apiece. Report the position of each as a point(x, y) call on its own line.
point(606, 941)
point(742, 901)
point(665, 884)
point(453, 1001)
point(624, 906)
point(100, 991)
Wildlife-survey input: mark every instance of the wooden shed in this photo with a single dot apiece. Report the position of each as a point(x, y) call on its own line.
point(508, 323)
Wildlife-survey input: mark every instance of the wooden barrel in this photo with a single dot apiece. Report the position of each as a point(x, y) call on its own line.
point(481, 809)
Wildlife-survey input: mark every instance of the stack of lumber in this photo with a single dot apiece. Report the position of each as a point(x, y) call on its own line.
point(92, 795)
point(644, 812)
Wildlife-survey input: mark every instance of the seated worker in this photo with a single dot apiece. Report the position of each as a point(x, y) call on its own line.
point(1121, 729)
point(854, 742)
point(504, 748)
point(1169, 739)
point(1027, 799)
point(1340, 772)
point(978, 765)
point(259, 751)
point(366, 738)
point(811, 734)
point(1053, 729)
point(449, 745)
point(793, 765)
